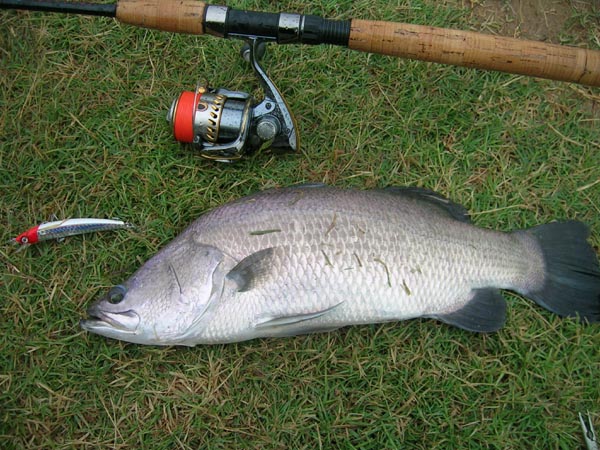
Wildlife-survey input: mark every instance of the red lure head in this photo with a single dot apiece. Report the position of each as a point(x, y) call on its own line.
point(28, 237)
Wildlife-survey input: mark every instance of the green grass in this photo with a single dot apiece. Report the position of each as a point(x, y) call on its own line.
point(83, 134)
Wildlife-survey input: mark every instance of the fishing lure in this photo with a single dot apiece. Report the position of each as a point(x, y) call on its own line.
point(70, 227)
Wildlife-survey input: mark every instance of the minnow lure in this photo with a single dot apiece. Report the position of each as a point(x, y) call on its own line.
point(70, 227)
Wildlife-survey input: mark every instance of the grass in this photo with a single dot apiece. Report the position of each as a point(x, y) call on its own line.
point(83, 134)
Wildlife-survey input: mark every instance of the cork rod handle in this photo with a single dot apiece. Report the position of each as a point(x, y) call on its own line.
point(481, 51)
point(179, 16)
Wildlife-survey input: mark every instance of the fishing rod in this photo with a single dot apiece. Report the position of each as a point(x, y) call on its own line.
point(226, 125)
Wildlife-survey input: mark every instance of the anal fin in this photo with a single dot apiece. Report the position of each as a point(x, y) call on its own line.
point(484, 312)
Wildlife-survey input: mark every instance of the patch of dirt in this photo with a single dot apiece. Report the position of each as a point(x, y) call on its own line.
point(542, 20)
point(570, 22)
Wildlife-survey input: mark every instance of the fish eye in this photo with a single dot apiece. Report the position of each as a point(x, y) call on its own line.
point(116, 294)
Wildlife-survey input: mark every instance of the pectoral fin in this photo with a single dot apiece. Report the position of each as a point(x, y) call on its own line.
point(253, 269)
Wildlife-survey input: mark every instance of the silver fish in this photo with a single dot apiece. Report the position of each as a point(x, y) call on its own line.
point(315, 258)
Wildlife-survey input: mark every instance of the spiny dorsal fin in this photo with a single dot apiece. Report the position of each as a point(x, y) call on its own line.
point(309, 185)
point(253, 269)
point(484, 312)
point(455, 210)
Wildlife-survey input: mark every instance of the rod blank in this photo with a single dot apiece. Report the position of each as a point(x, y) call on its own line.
point(90, 9)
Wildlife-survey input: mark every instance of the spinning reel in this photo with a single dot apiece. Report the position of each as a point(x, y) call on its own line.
point(225, 125)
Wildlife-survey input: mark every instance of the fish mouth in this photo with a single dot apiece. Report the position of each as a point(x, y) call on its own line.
point(99, 320)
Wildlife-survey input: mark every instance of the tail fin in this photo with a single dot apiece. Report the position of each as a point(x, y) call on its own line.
point(572, 275)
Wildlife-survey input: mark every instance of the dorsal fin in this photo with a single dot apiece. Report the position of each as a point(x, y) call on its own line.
point(441, 203)
point(308, 185)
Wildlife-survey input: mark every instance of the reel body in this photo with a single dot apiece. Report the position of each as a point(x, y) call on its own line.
point(226, 125)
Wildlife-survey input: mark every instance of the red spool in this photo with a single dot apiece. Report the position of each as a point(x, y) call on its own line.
point(183, 120)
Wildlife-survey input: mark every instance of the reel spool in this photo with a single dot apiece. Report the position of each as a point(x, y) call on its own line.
point(226, 125)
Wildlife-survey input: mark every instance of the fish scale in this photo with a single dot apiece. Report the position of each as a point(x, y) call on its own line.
point(303, 259)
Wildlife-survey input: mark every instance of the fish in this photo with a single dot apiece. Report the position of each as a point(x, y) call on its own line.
point(314, 258)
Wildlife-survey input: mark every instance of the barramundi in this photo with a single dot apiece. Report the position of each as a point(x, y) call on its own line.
point(312, 258)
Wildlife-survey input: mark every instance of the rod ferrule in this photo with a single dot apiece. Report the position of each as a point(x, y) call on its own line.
point(215, 20)
point(290, 28)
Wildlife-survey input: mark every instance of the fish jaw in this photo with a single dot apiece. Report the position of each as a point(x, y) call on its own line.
point(131, 326)
point(118, 325)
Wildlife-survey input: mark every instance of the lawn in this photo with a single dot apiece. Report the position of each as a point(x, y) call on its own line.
point(83, 134)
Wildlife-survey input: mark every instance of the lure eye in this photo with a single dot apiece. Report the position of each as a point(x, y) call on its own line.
point(24, 240)
point(116, 294)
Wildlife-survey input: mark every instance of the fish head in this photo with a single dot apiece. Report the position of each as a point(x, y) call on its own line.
point(166, 301)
